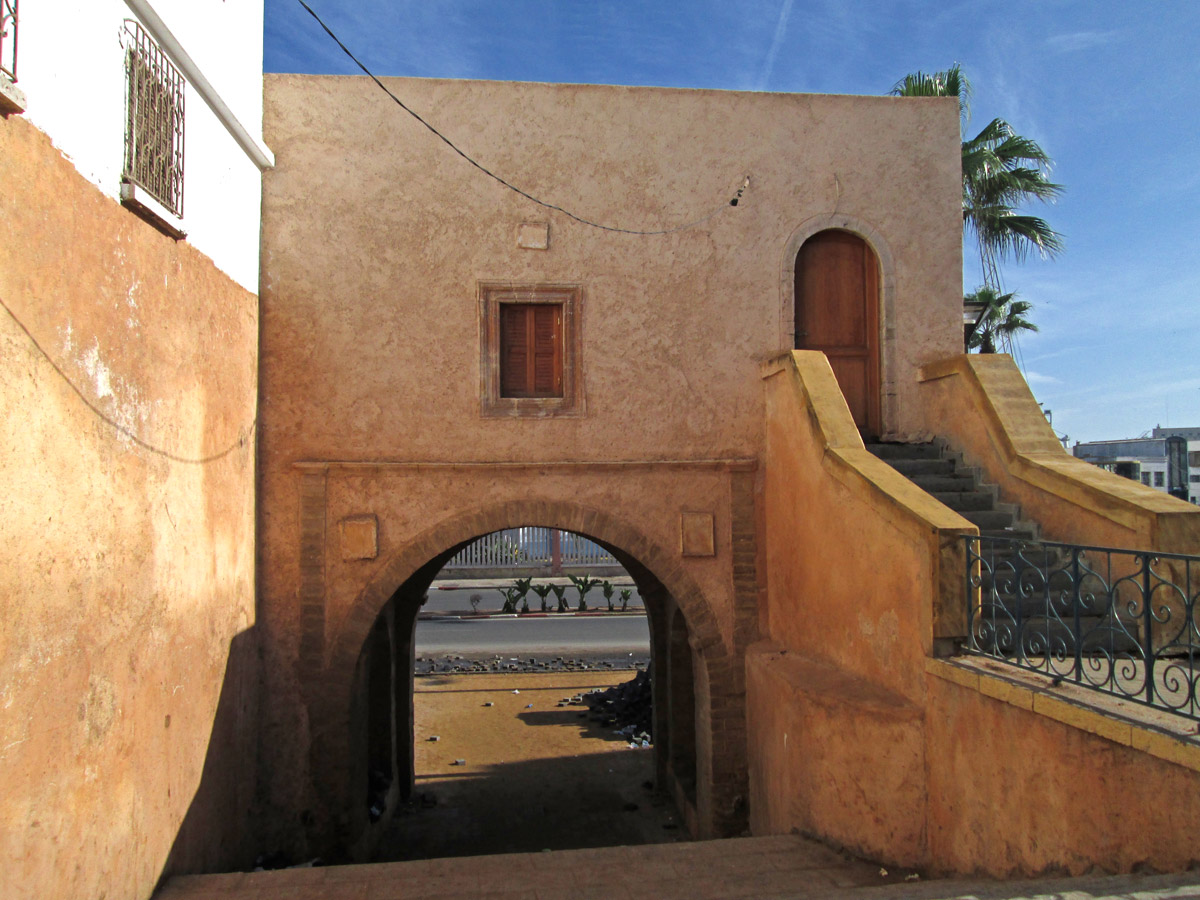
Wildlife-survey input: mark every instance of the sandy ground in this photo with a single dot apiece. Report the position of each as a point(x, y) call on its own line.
point(536, 776)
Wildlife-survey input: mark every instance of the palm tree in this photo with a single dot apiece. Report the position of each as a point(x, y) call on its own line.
point(1000, 171)
point(1003, 316)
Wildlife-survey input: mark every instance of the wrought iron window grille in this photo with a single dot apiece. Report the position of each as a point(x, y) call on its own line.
point(8, 39)
point(1123, 622)
point(153, 120)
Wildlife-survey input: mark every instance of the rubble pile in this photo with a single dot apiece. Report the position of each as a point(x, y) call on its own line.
point(627, 707)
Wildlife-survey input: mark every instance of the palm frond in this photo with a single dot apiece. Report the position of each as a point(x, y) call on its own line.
point(1010, 234)
point(950, 83)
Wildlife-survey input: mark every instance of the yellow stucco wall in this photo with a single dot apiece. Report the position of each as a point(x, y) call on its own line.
point(860, 737)
point(126, 562)
point(982, 406)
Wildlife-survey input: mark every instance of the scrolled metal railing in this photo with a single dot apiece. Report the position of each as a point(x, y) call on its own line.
point(8, 39)
point(1125, 622)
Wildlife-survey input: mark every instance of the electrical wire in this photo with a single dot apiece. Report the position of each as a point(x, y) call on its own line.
point(242, 439)
point(512, 187)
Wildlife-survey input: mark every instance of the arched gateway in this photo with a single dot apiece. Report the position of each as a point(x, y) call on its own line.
point(699, 724)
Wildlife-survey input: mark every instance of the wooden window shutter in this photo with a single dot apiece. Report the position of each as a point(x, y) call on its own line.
point(531, 352)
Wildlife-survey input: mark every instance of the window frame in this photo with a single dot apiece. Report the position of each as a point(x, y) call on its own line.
point(492, 296)
point(152, 171)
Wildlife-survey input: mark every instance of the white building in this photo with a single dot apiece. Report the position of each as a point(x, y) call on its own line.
point(1168, 460)
point(188, 73)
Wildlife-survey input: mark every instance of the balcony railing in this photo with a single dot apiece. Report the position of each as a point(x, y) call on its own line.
point(1124, 622)
point(530, 546)
point(8, 39)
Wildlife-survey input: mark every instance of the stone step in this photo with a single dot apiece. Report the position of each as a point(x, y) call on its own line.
point(934, 484)
point(962, 501)
point(765, 868)
point(890, 451)
point(916, 468)
point(1017, 532)
point(992, 520)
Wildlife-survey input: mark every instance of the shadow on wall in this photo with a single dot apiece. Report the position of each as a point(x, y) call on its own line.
point(217, 834)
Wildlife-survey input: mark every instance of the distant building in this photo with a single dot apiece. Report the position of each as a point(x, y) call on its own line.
point(1168, 461)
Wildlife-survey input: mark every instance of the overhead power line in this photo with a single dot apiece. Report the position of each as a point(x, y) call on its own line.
point(512, 187)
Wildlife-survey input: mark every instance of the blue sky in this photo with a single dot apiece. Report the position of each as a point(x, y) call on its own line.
point(1110, 89)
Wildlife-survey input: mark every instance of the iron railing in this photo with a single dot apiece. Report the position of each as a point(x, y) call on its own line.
point(8, 39)
point(1120, 621)
point(153, 120)
point(530, 546)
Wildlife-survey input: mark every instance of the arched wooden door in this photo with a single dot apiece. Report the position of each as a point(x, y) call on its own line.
point(837, 312)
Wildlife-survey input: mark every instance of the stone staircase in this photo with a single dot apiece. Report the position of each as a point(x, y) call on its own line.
point(937, 471)
point(1030, 603)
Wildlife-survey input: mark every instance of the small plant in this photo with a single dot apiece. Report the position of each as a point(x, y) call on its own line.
point(626, 593)
point(511, 598)
point(607, 590)
point(560, 594)
point(475, 600)
point(543, 591)
point(583, 584)
point(521, 586)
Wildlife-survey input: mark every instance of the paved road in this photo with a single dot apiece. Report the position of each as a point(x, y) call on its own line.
point(568, 634)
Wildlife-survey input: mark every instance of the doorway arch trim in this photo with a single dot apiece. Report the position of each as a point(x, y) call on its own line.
point(593, 523)
point(887, 298)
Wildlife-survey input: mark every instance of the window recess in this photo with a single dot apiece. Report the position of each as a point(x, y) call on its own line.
point(529, 341)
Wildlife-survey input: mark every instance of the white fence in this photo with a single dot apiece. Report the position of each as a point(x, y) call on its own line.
point(531, 546)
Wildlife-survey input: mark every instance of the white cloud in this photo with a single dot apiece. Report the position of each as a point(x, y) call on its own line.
point(1037, 379)
point(1074, 41)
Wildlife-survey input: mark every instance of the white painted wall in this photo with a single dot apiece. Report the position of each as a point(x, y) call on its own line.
point(71, 69)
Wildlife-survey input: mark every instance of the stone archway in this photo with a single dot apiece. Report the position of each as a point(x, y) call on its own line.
point(719, 791)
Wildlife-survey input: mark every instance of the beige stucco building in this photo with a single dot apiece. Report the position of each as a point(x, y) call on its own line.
point(388, 260)
point(682, 379)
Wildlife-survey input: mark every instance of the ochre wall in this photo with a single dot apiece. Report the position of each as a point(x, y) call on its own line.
point(981, 405)
point(859, 737)
point(376, 238)
point(1013, 791)
point(127, 675)
point(854, 560)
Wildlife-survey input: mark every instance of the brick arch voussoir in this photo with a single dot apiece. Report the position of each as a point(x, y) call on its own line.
point(701, 621)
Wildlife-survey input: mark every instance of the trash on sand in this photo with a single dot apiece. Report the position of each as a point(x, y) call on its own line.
point(516, 692)
point(459, 762)
point(529, 706)
point(489, 703)
point(912, 877)
point(434, 737)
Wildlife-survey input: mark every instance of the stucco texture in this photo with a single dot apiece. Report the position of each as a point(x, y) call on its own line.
point(127, 681)
point(1014, 792)
point(376, 240)
point(981, 405)
point(856, 740)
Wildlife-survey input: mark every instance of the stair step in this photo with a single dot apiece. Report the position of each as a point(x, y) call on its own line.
point(990, 519)
point(915, 468)
point(966, 500)
point(936, 484)
point(891, 451)
point(1007, 561)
